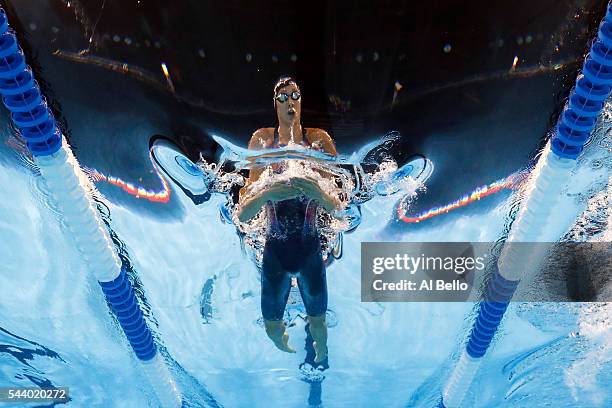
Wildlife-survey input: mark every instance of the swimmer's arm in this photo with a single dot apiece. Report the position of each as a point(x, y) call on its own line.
point(321, 140)
point(259, 140)
point(295, 187)
point(249, 205)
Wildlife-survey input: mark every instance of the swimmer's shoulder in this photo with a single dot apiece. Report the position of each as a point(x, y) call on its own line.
point(321, 140)
point(262, 139)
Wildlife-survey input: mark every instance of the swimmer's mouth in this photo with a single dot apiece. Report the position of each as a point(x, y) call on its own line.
point(291, 112)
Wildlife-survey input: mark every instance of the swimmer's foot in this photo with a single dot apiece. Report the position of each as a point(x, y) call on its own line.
point(284, 344)
point(321, 352)
point(318, 331)
point(275, 329)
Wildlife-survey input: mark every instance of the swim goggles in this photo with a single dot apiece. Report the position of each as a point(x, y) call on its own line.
point(283, 97)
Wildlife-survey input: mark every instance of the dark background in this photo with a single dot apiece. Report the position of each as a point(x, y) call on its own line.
point(99, 63)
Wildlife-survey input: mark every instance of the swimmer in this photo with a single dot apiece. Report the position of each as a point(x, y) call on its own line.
point(292, 248)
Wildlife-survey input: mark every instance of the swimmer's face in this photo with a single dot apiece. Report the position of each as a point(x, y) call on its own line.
point(288, 108)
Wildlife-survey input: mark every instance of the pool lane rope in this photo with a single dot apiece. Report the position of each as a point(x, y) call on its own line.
point(551, 174)
point(68, 186)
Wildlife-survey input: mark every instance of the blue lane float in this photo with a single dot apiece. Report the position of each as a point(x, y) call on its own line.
point(588, 97)
point(121, 297)
point(21, 95)
point(572, 132)
point(66, 183)
point(491, 311)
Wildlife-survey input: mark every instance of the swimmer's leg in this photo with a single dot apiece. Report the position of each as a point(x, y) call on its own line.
point(275, 288)
point(313, 288)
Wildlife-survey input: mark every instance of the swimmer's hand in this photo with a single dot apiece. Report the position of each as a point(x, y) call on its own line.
point(275, 329)
point(310, 188)
point(276, 192)
point(285, 190)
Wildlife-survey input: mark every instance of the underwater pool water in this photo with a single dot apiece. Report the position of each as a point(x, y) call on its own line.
point(472, 89)
point(56, 329)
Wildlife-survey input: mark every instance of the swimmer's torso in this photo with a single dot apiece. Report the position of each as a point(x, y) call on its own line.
point(294, 218)
point(287, 214)
point(269, 138)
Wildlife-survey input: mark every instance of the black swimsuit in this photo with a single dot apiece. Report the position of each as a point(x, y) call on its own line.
point(292, 248)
